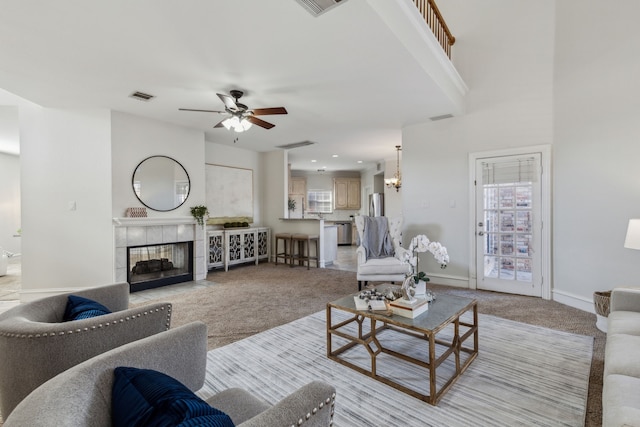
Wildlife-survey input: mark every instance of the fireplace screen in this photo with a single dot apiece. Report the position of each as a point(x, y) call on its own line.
point(159, 265)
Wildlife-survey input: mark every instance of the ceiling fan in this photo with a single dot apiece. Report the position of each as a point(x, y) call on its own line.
point(240, 116)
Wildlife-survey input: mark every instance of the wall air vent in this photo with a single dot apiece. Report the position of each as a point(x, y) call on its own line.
point(318, 7)
point(295, 145)
point(442, 117)
point(141, 96)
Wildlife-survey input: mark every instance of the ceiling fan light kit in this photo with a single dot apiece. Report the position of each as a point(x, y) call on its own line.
point(236, 124)
point(241, 118)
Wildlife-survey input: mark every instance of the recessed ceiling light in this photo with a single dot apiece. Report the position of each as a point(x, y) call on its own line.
point(359, 161)
point(313, 161)
point(334, 155)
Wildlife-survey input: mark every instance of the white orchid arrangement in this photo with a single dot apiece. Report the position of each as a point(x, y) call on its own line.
point(421, 243)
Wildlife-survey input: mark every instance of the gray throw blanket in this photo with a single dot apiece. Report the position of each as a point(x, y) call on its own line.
point(375, 237)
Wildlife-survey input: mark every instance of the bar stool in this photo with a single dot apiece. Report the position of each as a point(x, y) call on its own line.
point(304, 249)
point(286, 254)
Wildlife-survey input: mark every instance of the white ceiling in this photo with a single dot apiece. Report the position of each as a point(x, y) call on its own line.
point(346, 77)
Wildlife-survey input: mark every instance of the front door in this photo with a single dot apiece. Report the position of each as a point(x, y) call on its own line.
point(508, 224)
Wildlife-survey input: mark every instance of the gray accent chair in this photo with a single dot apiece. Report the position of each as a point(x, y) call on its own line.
point(36, 345)
point(81, 396)
point(392, 269)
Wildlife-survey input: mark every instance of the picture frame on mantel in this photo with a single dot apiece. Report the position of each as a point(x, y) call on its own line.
point(229, 194)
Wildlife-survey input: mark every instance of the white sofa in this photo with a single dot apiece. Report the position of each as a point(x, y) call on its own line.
point(4, 262)
point(621, 379)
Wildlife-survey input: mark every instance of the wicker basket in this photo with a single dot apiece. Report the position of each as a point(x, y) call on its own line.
point(601, 302)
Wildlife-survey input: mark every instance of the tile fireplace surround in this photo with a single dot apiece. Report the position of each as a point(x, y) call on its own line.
point(154, 231)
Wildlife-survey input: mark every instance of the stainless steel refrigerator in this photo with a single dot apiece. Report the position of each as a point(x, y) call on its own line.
point(376, 204)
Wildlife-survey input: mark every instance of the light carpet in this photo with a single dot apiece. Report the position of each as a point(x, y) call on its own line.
point(524, 375)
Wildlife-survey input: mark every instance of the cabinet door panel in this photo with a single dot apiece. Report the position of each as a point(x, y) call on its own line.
point(249, 246)
point(353, 194)
point(234, 247)
point(346, 193)
point(216, 252)
point(263, 243)
point(341, 191)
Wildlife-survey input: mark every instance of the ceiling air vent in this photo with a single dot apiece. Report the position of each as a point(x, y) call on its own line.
point(295, 145)
point(318, 7)
point(141, 96)
point(442, 117)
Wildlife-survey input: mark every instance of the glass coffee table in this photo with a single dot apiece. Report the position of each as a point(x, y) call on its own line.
point(422, 357)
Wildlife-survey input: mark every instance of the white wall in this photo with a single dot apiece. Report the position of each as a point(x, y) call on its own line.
point(504, 53)
point(67, 235)
point(393, 199)
point(546, 72)
point(226, 155)
point(135, 138)
point(10, 202)
point(274, 187)
point(597, 133)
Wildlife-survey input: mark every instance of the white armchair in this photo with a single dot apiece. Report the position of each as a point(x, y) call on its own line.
point(393, 268)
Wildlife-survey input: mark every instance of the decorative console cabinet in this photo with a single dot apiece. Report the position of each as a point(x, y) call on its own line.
point(237, 246)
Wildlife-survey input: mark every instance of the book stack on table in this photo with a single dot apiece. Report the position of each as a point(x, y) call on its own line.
point(366, 304)
point(410, 309)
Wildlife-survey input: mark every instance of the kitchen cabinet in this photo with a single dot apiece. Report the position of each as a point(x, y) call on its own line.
point(237, 246)
point(346, 193)
point(298, 185)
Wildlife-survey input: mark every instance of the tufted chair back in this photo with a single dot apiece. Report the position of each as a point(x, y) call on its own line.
point(383, 269)
point(36, 345)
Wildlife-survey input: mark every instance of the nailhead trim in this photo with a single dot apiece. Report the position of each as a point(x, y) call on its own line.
point(165, 308)
point(329, 400)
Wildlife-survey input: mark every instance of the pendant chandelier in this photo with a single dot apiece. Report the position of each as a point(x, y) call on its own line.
point(396, 181)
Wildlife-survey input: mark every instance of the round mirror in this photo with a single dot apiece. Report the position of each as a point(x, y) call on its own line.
point(161, 183)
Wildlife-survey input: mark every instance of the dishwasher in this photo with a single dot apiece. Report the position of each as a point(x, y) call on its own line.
point(344, 232)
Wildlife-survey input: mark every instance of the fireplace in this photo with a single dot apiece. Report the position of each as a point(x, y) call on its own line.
point(151, 266)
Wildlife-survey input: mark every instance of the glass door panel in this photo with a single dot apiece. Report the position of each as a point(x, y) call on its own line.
point(508, 196)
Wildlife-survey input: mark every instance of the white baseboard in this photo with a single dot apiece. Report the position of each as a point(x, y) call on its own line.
point(566, 298)
point(448, 280)
point(575, 301)
point(27, 295)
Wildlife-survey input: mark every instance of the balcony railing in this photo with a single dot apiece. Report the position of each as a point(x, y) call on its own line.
point(434, 20)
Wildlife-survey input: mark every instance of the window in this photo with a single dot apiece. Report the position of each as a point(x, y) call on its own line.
point(319, 201)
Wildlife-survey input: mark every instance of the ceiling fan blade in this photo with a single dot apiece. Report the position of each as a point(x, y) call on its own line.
point(203, 111)
point(228, 101)
point(219, 125)
point(259, 122)
point(269, 111)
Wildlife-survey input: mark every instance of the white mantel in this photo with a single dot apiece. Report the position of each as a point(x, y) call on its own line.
point(153, 221)
point(157, 230)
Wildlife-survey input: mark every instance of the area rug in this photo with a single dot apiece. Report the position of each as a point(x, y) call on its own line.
point(524, 375)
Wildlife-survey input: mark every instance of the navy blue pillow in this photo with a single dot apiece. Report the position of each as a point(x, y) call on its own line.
point(144, 397)
point(83, 308)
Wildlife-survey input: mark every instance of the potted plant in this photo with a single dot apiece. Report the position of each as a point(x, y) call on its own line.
point(421, 243)
point(199, 212)
point(292, 204)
